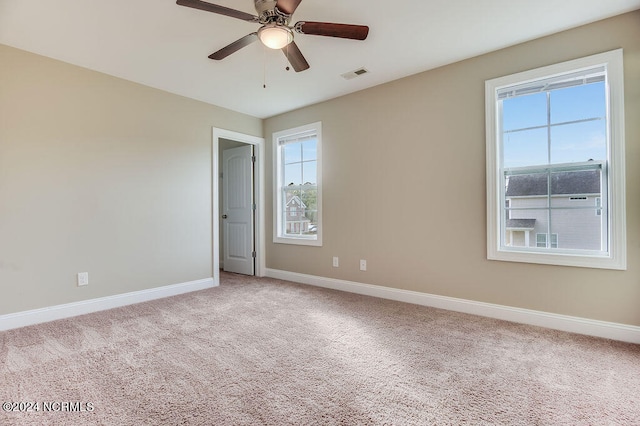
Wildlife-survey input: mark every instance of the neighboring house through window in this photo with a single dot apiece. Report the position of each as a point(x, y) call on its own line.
point(573, 201)
point(298, 195)
point(555, 164)
point(297, 220)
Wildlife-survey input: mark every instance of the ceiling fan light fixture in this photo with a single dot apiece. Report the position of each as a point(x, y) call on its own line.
point(275, 36)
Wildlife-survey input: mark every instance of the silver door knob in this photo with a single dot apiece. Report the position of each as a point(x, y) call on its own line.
point(224, 216)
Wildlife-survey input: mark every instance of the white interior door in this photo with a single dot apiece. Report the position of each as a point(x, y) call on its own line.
point(237, 210)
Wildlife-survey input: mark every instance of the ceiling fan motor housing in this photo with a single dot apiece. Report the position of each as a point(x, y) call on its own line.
point(268, 12)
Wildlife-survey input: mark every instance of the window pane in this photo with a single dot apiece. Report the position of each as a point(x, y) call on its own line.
point(292, 153)
point(527, 196)
point(309, 150)
point(524, 111)
point(292, 174)
point(290, 194)
point(579, 229)
point(309, 174)
point(542, 227)
point(575, 189)
point(293, 211)
point(525, 148)
point(521, 229)
point(310, 199)
point(578, 103)
point(301, 214)
point(579, 142)
point(524, 190)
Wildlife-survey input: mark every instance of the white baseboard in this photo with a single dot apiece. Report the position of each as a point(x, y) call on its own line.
point(36, 316)
point(608, 330)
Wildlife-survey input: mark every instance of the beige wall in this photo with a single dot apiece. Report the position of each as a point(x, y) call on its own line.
point(100, 175)
point(404, 185)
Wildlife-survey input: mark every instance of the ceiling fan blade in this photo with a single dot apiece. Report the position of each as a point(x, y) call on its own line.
point(287, 6)
point(234, 47)
point(295, 57)
point(354, 32)
point(221, 10)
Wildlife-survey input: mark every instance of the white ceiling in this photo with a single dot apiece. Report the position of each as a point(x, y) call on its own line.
point(163, 45)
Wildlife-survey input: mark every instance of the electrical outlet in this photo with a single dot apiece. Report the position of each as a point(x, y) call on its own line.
point(83, 278)
point(336, 261)
point(363, 265)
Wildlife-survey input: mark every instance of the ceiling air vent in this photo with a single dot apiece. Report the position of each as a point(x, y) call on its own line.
point(353, 74)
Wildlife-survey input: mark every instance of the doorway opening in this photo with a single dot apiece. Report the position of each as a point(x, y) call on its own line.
point(244, 234)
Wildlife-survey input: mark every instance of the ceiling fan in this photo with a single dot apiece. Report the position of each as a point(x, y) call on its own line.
point(275, 32)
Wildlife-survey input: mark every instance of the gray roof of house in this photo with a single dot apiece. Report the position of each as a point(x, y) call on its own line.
point(521, 223)
point(291, 198)
point(562, 183)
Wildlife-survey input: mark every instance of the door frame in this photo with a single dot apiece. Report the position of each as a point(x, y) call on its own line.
point(259, 185)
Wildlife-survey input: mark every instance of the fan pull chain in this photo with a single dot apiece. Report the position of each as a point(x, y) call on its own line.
point(264, 68)
point(287, 55)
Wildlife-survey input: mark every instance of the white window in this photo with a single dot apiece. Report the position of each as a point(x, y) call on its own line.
point(541, 240)
point(555, 139)
point(298, 185)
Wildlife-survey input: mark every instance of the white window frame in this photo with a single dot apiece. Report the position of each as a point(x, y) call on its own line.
point(279, 236)
point(616, 256)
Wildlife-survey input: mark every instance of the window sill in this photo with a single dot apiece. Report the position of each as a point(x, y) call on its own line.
point(314, 242)
point(560, 259)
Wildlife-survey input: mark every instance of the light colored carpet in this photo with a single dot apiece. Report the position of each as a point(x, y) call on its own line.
point(263, 351)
